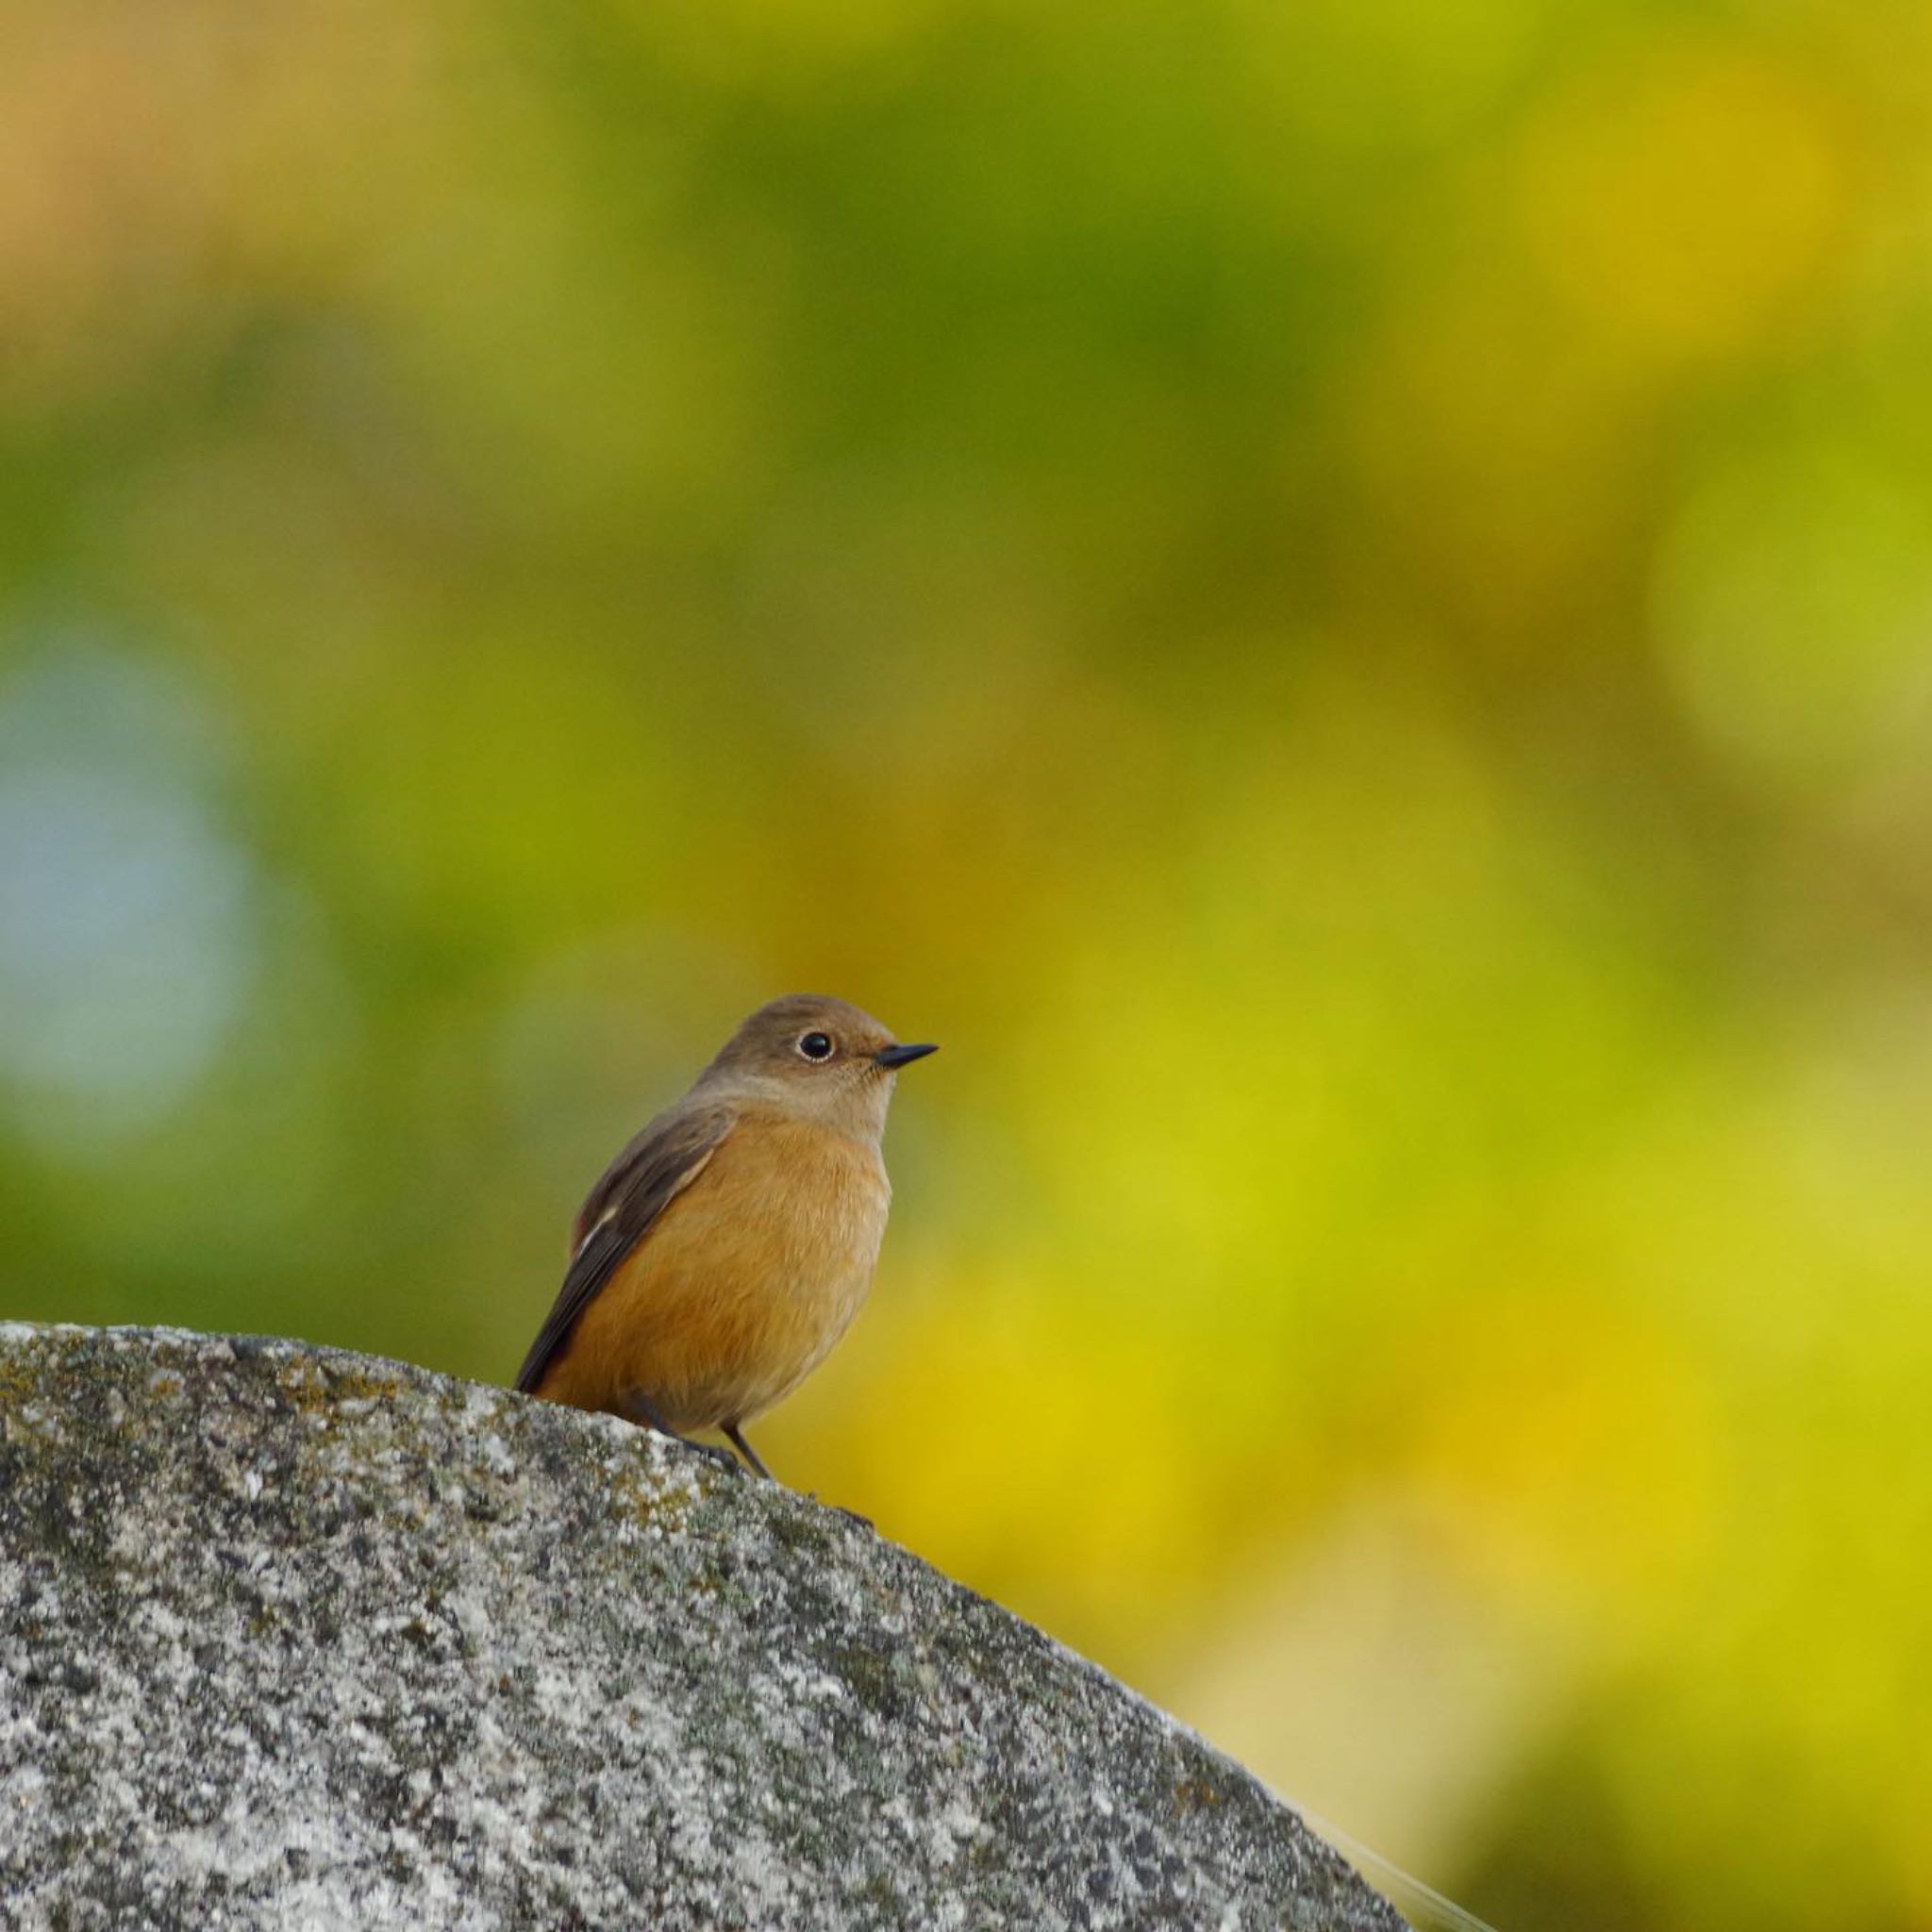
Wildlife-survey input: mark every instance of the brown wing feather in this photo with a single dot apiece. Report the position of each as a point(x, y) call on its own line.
point(634, 1188)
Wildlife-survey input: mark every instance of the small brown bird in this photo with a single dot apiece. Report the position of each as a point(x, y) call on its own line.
point(729, 1246)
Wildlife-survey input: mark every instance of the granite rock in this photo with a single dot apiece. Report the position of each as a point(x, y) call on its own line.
point(294, 1638)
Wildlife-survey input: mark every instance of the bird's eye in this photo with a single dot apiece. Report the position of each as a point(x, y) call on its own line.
point(816, 1046)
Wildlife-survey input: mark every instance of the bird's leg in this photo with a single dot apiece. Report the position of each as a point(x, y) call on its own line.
point(733, 1435)
point(746, 1450)
point(634, 1408)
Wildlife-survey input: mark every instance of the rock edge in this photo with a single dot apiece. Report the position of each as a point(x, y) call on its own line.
point(295, 1637)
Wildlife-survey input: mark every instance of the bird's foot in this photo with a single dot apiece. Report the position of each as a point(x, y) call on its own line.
point(840, 1509)
point(636, 1410)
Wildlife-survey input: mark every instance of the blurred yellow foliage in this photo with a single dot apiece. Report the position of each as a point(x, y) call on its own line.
point(1680, 203)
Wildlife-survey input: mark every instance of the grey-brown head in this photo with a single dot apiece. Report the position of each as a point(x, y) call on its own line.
point(813, 1054)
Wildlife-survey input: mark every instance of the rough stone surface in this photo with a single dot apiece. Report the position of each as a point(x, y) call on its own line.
point(295, 1638)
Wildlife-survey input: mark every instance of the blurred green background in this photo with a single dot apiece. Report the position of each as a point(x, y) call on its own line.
point(1337, 596)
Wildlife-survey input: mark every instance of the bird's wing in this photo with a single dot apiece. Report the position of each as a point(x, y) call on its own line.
point(636, 1189)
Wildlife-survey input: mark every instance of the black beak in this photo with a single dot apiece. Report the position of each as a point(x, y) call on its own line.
point(901, 1056)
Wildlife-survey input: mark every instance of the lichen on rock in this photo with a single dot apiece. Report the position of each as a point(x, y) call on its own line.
point(291, 1637)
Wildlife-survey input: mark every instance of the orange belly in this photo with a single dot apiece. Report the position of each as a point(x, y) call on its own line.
point(740, 1286)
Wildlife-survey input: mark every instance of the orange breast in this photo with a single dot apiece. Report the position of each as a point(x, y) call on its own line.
point(743, 1284)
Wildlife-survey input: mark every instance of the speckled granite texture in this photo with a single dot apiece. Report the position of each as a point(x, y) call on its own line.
point(291, 1637)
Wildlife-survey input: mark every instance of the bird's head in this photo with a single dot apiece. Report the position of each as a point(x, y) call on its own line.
point(815, 1056)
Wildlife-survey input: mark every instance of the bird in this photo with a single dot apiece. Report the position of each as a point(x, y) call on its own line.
point(730, 1243)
